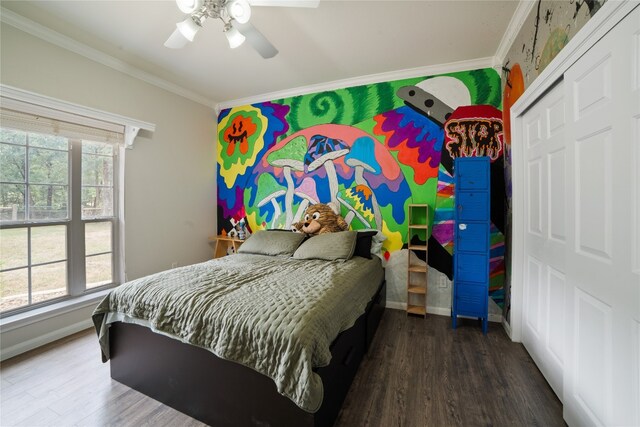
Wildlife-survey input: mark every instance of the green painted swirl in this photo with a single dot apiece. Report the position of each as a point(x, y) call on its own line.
point(358, 104)
point(347, 106)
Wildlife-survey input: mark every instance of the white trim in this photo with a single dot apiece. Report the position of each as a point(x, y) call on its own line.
point(47, 34)
point(472, 64)
point(14, 93)
point(607, 17)
point(41, 340)
point(506, 326)
point(518, 216)
point(130, 133)
point(513, 29)
point(35, 29)
point(59, 115)
point(26, 318)
point(395, 305)
point(440, 311)
point(120, 222)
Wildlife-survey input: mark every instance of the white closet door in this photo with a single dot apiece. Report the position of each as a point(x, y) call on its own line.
point(601, 372)
point(545, 235)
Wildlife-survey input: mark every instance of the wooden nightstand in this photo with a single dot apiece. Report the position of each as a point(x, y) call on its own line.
point(223, 243)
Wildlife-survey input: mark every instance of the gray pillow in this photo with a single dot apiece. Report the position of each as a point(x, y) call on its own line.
point(272, 243)
point(329, 246)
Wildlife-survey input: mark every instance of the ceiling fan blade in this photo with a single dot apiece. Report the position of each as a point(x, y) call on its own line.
point(176, 40)
point(256, 39)
point(285, 3)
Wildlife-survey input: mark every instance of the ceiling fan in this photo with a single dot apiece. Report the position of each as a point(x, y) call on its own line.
point(235, 15)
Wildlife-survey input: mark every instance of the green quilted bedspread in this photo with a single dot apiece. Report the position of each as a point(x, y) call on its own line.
point(275, 315)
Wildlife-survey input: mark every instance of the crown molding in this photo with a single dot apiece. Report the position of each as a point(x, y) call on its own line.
point(47, 34)
point(38, 30)
point(515, 25)
point(430, 70)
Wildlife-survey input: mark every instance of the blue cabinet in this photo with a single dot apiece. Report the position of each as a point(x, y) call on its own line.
point(471, 239)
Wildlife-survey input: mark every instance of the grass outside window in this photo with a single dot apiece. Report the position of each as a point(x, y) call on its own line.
point(40, 229)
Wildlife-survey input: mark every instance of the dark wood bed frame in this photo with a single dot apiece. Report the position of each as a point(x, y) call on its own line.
point(223, 393)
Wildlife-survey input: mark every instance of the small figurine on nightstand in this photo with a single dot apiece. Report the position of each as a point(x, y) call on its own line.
point(230, 250)
point(234, 230)
point(242, 232)
point(239, 229)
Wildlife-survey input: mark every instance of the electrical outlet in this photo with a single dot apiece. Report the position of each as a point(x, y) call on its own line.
point(174, 264)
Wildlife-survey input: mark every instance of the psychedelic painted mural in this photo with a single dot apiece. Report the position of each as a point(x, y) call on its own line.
point(545, 32)
point(371, 150)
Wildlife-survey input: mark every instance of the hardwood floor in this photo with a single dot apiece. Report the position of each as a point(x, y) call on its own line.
point(417, 373)
point(423, 373)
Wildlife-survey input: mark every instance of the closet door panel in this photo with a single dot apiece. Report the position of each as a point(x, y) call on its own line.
point(602, 302)
point(545, 228)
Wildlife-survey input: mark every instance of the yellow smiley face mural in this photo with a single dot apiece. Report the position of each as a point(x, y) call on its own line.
point(241, 138)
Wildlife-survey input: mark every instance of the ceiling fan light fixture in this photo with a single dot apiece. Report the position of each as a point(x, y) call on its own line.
point(239, 10)
point(189, 6)
point(188, 28)
point(234, 37)
point(176, 40)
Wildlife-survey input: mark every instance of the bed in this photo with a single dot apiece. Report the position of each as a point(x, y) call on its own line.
point(248, 339)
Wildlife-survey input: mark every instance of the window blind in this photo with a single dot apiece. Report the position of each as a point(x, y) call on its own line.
point(23, 116)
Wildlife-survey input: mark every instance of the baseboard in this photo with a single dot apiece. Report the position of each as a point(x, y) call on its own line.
point(394, 305)
point(7, 353)
point(507, 327)
point(440, 311)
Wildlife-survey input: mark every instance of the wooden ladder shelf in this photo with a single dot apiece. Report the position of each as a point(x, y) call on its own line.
point(417, 274)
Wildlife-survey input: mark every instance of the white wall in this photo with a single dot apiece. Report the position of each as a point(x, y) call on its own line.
point(170, 193)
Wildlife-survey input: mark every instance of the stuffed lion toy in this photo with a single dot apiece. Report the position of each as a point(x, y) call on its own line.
point(319, 219)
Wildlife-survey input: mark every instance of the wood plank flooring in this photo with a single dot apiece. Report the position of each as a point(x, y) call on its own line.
point(418, 373)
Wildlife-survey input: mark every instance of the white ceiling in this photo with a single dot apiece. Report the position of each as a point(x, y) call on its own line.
point(338, 40)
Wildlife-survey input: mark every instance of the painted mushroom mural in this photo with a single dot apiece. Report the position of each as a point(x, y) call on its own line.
point(357, 159)
point(322, 152)
point(359, 201)
point(370, 149)
point(289, 157)
point(362, 157)
point(268, 191)
point(307, 192)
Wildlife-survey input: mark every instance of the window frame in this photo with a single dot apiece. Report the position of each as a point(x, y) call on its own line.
point(75, 229)
point(25, 101)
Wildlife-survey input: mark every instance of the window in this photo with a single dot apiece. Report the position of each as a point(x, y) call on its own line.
point(98, 211)
point(58, 210)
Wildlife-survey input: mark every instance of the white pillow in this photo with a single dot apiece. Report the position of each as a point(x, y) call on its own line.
point(376, 244)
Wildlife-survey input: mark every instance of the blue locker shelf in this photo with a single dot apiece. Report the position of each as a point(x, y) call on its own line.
point(471, 256)
point(474, 239)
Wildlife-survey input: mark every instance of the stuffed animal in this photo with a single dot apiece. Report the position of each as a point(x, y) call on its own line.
point(296, 227)
point(319, 219)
